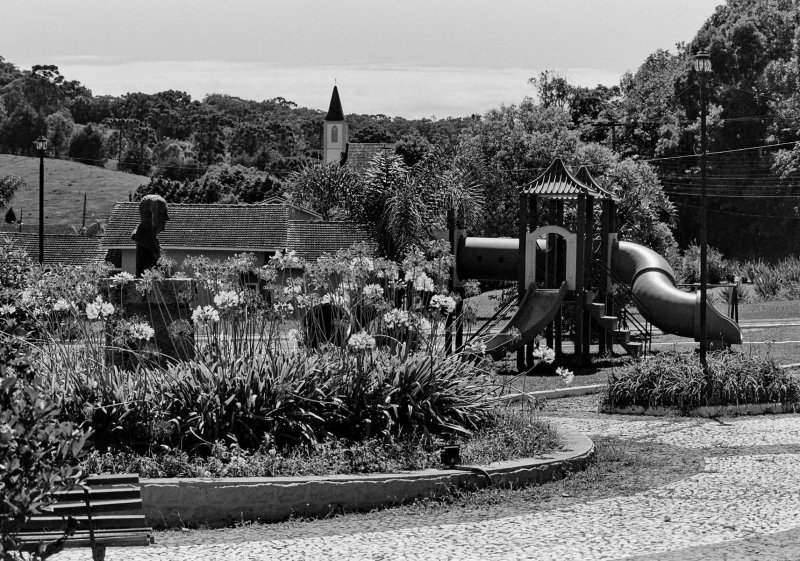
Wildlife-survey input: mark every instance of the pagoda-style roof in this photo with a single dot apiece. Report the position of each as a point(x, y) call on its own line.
point(585, 177)
point(335, 112)
point(557, 182)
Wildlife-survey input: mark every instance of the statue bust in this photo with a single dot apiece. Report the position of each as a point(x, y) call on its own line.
point(152, 221)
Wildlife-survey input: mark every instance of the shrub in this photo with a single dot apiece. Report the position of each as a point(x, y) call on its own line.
point(38, 454)
point(718, 268)
point(676, 380)
point(87, 147)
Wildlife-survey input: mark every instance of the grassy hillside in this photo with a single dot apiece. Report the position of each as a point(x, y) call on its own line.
point(65, 183)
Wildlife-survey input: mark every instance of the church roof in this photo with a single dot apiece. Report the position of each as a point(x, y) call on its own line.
point(557, 182)
point(335, 112)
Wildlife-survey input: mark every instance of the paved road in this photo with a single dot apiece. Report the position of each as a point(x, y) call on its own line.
point(744, 504)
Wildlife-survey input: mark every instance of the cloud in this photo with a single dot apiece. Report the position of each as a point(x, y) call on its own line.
point(396, 90)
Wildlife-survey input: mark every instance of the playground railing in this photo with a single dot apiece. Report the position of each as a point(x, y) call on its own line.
point(491, 323)
point(623, 297)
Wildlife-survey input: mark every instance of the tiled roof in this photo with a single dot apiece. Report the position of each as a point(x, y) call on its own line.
point(585, 177)
point(335, 112)
point(33, 228)
point(312, 239)
point(558, 182)
point(59, 249)
point(359, 154)
point(242, 227)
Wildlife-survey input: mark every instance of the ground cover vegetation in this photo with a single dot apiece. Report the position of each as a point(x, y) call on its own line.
point(677, 381)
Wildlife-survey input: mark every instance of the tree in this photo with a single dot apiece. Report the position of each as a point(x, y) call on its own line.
point(9, 185)
point(87, 147)
point(552, 89)
point(323, 187)
point(59, 132)
point(21, 128)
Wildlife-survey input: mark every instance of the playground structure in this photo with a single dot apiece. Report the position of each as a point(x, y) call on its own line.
point(588, 267)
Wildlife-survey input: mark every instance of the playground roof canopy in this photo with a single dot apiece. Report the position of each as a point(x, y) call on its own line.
point(585, 176)
point(557, 182)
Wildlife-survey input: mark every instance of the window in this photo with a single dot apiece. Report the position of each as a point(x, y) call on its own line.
point(334, 133)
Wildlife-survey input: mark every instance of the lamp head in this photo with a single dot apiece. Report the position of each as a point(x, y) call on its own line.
point(40, 144)
point(702, 63)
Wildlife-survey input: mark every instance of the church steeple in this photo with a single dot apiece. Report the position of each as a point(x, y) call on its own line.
point(334, 135)
point(335, 112)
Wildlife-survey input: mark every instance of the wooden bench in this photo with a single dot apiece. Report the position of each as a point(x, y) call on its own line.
point(107, 510)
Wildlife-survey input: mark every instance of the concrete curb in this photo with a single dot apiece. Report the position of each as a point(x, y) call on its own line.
point(706, 411)
point(553, 394)
point(176, 502)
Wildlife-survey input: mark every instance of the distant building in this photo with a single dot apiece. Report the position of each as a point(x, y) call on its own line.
point(59, 249)
point(219, 231)
point(336, 145)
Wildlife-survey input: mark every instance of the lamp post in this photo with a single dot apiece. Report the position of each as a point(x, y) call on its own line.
point(702, 66)
point(41, 145)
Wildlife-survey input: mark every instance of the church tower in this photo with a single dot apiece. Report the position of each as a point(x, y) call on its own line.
point(334, 135)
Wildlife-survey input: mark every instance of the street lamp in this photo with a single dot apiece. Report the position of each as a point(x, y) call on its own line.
point(41, 145)
point(702, 66)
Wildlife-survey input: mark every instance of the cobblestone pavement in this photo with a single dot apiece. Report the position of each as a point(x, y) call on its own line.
point(743, 505)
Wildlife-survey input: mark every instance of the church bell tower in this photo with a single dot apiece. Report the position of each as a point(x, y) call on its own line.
point(334, 135)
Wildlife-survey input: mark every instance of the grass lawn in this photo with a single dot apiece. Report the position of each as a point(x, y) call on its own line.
point(65, 182)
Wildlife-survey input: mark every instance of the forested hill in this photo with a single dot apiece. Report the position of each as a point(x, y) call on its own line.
point(171, 135)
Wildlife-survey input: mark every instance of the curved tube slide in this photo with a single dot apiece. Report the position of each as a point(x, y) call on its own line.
point(672, 310)
point(537, 309)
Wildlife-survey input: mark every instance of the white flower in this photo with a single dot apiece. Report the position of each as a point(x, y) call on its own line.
point(396, 318)
point(332, 298)
point(423, 282)
point(106, 309)
point(293, 287)
point(566, 375)
point(92, 311)
point(360, 342)
point(203, 315)
point(122, 278)
point(549, 355)
point(61, 305)
point(26, 297)
point(361, 264)
point(141, 330)
point(284, 308)
point(477, 348)
point(288, 260)
point(373, 291)
point(443, 302)
point(7, 309)
point(226, 299)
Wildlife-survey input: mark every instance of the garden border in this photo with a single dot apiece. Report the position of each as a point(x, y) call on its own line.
point(177, 502)
point(705, 411)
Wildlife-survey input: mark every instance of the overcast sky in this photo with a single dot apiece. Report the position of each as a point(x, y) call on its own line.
point(413, 58)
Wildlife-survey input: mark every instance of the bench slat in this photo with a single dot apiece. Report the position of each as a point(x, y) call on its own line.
point(76, 495)
point(107, 507)
point(107, 521)
point(119, 540)
point(112, 479)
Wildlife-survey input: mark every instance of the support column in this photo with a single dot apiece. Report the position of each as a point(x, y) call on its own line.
point(587, 273)
point(558, 325)
point(522, 223)
point(580, 279)
point(533, 223)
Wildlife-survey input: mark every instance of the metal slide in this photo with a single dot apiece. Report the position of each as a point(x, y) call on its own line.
point(537, 309)
point(672, 310)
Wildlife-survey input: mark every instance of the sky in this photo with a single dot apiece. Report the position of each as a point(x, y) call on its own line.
point(409, 58)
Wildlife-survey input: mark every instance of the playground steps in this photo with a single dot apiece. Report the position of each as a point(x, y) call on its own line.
point(622, 337)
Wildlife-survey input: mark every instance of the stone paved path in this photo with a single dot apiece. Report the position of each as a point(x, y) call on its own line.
point(743, 505)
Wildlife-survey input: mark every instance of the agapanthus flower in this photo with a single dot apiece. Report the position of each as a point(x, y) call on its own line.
point(373, 291)
point(283, 308)
point(227, 299)
point(122, 278)
point(8, 310)
point(141, 330)
point(566, 375)
point(423, 283)
point(203, 315)
point(62, 304)
point(443, 302)
point(396, 318)
point(360, 342)
point(98, 308)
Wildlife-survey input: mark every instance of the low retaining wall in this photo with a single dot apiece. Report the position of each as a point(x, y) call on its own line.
point(176, 502)
point(706, 411)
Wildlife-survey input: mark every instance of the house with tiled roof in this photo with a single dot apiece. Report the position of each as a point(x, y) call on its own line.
point(219, 231)
point(336, 146)
point(59, 249)
point(312, 239)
